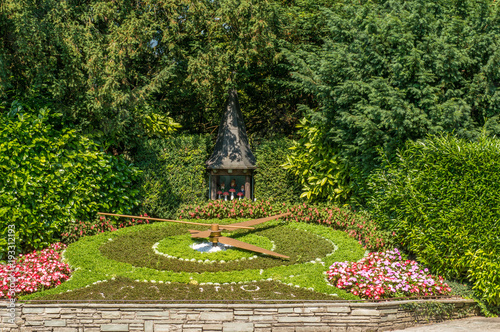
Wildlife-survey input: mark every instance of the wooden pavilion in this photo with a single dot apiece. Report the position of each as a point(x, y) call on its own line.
point(232, 163)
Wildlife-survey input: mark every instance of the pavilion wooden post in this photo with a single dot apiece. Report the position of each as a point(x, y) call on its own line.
point(213, 186)
point(248, 186)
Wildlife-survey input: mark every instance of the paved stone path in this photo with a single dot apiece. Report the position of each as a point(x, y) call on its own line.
point(474, 324)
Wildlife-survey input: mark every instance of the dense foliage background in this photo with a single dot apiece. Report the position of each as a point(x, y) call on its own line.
point(107, 65)
point(392, 71)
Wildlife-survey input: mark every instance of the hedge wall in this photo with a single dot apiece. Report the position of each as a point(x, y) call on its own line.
point(173, 174)
point(441, 197)
point(273, 182)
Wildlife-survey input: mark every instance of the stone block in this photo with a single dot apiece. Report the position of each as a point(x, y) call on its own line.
point(127, 315)
point(354, 328)
point(114, 327)
point(148, 326)
point(152, 314)
point(191, 326)
point(65, 329)
point(285, 310)
point(347, 319)
point(33, 310)
point(283, 329)
point(102, 321)
point(305, 310)
point(237, 327)
point(262, 325)
point(338, 309)
point(299, 319)
point(82, 315)
point(260, 318)
point(312, 329)
point(167, 328)
point(33, 322)
point(128, 321)
point(111, 314)
point(55, 322)
point(69, 310)
point(264, 311)
point(136, 326)
point(52, 310)
point(34, 317)
point(243, 312)
point(212, 327)
point(217, 316)
point(365, 312)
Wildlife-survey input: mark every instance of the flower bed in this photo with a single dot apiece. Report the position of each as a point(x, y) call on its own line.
point(385, 275)
point(356, 225)
point(34, 272)
point(130, 253)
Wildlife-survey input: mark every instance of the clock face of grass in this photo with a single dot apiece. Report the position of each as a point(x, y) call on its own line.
point(139, 253)
point(137, 249)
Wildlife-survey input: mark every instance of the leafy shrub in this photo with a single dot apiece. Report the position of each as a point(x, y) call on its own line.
point(385, 274)
point(357, 225)
point(272, 181)
point(34, 272)
point(322, 174)
point(441, 199)
point(75, 230)
point(49, 177)
point(174, 173)
point(484, 271)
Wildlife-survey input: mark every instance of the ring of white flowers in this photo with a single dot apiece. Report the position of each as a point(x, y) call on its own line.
point(206, 261)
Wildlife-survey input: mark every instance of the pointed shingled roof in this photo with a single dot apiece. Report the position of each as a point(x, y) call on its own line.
point(232, 150)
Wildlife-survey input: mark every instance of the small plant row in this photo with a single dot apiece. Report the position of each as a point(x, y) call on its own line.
point(79, 229)
point(358, 226)
point(34, 272)
point(384, 275)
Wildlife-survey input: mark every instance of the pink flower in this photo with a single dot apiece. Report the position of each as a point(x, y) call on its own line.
point(36, 270)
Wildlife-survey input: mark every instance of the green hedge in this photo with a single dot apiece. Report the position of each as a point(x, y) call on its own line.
point(442, 199)
point(51, 177)
point(174, 173)
point(272, 181)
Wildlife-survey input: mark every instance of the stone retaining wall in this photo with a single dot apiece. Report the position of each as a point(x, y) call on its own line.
point(310, 317)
